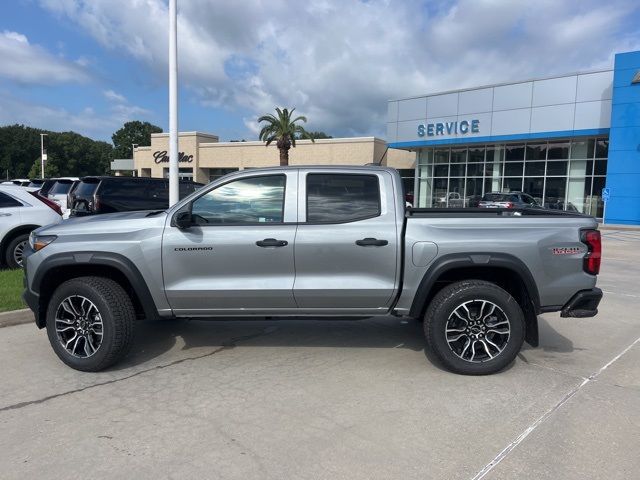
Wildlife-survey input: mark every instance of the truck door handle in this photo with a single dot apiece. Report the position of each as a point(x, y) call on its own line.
point(371, 242)
point(272, 242)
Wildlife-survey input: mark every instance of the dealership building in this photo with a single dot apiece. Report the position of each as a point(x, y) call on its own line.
point(570, 141)
point(203, 158)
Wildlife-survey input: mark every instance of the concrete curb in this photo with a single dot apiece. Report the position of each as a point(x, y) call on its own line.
point(16, 317)
point(612, 226)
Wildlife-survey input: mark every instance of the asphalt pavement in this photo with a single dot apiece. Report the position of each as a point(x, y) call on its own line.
point(332, 400)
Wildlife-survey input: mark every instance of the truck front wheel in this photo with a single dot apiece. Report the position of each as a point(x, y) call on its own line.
point(474, 327)
point(90, 323)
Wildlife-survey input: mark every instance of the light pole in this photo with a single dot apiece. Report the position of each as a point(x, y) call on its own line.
point(133, 157)
point(43, 154)
point(173, 103)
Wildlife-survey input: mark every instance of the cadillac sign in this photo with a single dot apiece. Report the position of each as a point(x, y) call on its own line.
point(449, 128)
point(162, 157)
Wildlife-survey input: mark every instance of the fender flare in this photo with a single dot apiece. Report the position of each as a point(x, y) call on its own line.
point(476, 259)
point(89, 258)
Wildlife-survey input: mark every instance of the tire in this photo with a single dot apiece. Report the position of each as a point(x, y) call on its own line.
point(13, 253)
point(99, 313)
point(467, 334)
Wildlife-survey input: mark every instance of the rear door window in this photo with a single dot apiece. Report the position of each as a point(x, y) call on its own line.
point(339, 198)
point(7, 201)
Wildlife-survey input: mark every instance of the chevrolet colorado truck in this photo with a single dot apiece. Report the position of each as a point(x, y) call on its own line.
point(313, 242)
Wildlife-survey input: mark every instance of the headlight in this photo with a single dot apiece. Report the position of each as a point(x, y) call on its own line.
point(38, 242)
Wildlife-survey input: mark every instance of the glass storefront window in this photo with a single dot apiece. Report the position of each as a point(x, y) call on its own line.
point(558, 150)
point(476, 154)
point(600, 167)
point(580, 168)
point(554, 195)
point(424, 193)
point(456, 170)
point(460, 176)
point(441, 170)
point(458, 155)
point(513, 169)
point(512, 185)
point(456, 193)
point(557, 168)
point(579, 149)
point(513, 153)
point(440, 192)
point(534, 186)
point(578, 192)
point(534, 168)
point(441, 155)
point(473, 192)
point(596, 199)
point(537, 151)
point(495, 153)
point(475, 169)
point(602, 148)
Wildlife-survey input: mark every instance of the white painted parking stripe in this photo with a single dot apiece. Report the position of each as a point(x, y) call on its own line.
point(621, 294)
point(503, 454)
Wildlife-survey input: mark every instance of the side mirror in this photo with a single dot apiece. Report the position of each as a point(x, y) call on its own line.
point(183, 220)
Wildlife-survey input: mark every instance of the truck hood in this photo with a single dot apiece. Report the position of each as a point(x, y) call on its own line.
point(120, 222)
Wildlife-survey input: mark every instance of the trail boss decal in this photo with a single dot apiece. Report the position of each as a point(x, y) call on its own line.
point(566, 250)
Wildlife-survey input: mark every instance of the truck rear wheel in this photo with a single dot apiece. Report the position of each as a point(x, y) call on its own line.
point(90, 323)
point(474, 327)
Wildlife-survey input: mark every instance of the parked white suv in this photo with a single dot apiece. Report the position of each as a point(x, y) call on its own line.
point(21, 211)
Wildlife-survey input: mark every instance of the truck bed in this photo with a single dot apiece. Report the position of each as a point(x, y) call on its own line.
point(489, 212)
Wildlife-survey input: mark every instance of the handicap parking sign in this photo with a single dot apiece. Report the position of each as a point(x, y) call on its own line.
point(606, 194)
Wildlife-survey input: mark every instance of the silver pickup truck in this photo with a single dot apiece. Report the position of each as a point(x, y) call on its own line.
point(313, 242)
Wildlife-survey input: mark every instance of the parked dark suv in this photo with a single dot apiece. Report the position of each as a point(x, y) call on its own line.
point(123, 194)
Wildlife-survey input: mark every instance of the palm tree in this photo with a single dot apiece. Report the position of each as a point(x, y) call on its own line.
point(283, 130)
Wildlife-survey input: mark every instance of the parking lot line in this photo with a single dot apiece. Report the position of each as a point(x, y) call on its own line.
point(520, 438)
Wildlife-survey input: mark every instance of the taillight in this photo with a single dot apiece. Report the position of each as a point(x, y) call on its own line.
point(54, 206)
point(591, 262)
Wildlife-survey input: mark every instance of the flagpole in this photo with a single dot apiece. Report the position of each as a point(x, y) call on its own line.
point(173, 103)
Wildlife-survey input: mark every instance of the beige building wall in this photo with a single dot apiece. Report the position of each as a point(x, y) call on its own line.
point(203, 153)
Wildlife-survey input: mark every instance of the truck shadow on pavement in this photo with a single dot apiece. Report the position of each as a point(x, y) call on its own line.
point(154, 339)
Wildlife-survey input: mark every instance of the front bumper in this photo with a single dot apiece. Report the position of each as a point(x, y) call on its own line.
point(583, 304)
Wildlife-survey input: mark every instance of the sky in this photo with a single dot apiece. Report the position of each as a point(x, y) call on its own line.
point(91, 65)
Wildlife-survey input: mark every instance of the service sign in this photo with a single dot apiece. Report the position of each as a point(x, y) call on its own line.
point(462, 127)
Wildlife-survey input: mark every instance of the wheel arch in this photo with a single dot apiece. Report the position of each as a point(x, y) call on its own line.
point(59, 268)
point(13, 233)
point(504, 270)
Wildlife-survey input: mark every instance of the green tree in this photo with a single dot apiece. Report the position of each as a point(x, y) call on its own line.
point(50, 170)
point(69, 153)
point(316, 136)
point(132, 132)
point(283, 130)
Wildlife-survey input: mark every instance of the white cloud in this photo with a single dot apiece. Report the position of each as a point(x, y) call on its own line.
point(87, 121)
point(114, 97)
point(339, 61)
point(26, 63)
